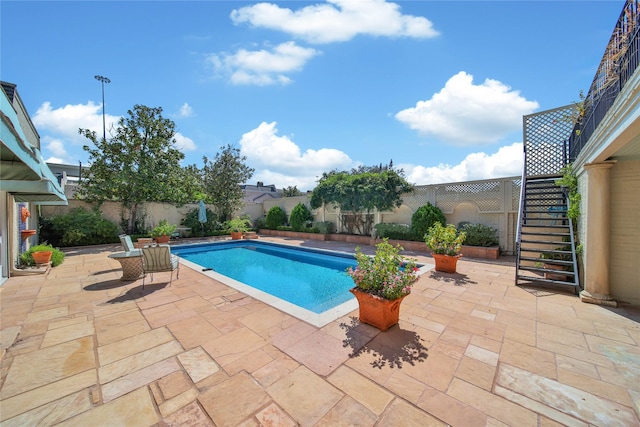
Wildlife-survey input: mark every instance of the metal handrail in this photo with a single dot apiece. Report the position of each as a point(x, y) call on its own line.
point(574, 258)
point(520, 216)
point(619, 62)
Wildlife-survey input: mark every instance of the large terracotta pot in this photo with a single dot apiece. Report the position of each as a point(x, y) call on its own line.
point(162, 239)
point(42, 257)
point(376, 311)
point(236, 235)
point(446, 263)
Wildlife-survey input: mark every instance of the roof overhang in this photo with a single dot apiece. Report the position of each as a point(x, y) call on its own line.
point(23, 171)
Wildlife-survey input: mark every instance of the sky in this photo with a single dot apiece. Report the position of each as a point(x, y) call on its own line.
point(302, 88)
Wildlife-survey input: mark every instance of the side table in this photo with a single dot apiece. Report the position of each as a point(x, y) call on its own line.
point(131, 263)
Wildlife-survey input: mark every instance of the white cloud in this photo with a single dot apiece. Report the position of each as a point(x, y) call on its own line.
point(185, 110)
point(57, 150)
point(262, 67)
point(184, 143)
point(466, 114)
point(64, 122)
point(507, 161)
point(336, 20)
point(279, 155)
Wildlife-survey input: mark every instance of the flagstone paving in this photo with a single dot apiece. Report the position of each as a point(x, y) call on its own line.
point(80, 347)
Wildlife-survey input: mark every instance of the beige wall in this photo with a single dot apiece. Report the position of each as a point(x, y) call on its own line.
point(624, 270)
point(489, 202)
point(497, 207)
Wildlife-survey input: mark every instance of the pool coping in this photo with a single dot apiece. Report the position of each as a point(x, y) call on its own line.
point(315, 319)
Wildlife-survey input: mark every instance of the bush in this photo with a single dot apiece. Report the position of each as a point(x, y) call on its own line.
point(79, 227)
point(424, 218)
point(324, 227)
point(394, 231)
point(276, 217)
point(301, 217)
point(479, 235)
point(26, 258)
point(208, 228)
point(260, 224)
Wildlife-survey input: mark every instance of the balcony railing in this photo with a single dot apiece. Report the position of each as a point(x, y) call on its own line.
point(618, 64)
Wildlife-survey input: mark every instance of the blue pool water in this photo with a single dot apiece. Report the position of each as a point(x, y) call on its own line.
point(311, 279)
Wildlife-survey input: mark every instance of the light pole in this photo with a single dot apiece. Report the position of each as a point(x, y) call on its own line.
point(103, 80)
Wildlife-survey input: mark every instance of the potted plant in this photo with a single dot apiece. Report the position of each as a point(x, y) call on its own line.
point(162, 232)
point(381, 283)
point(445, 244)
point(558, 260)
point(237, 226)
point(42, 254)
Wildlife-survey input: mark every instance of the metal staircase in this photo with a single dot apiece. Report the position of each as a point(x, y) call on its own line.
point(545, 244)
point(546, 255)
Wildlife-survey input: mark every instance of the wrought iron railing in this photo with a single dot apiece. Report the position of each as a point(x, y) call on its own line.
point(618, 64)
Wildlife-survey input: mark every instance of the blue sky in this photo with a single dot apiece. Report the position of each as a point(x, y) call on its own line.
point(439, 87)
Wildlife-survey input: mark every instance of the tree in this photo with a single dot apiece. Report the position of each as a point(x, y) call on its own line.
point(360, 192)
point(222, 179)
point(138, 164)
point(291, 191)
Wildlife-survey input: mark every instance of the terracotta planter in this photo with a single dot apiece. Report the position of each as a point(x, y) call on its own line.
point(446, 263)
point(236, 235)
point(553, 276)
point(376, 311)
point(162, 239)
point(25, 234)
point(42, 257)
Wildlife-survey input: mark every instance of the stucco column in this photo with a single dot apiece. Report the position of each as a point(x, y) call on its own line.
point(598, 230)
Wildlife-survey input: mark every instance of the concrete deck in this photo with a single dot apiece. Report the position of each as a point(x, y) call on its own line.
point(80, 347)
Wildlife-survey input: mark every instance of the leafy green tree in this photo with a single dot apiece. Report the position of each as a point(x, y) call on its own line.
point(138, 164)
point(300, 215)
point(291, 191)
point(361, 191)
point(222, 179)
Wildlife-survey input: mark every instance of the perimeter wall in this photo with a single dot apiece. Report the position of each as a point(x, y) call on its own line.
point(492, 202)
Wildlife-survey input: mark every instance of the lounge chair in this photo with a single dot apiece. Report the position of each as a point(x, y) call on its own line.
point(157, 259)
point(127, 244)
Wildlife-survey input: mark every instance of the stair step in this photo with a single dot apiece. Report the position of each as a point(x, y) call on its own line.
point(547, 271)
point(556, 212)
point(563, 235)
point(532, 281)
point(544, 261)
point(545, 242)
point(543, 205)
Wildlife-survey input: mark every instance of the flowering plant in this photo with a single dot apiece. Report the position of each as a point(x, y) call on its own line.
point(387, 274)
point(444, 240)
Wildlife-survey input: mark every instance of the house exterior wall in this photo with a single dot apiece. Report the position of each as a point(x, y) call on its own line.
point(624, 271)
point(615, 140)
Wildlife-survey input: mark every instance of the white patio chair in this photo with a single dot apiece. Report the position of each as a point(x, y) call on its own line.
point(157, 259)
point(127, 244)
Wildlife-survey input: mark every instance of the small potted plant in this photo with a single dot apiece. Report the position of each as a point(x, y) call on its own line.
point(237, 227)
point(42, 254)
point(163, 231)
point(382, 282)
point(445, 244)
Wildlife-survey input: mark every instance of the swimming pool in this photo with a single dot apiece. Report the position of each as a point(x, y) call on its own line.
point(310, 284)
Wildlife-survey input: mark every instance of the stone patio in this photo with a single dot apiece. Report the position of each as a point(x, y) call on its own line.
point(80, 347)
